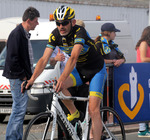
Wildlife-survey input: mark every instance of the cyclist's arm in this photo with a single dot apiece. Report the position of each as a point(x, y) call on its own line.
point(69, 66)
point(53, 61)
point(40, 65)
point(116, 62)
point(108, 61)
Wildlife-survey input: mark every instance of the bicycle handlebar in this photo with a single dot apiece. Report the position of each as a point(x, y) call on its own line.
point(31, 96)
point(29, 91)
point(60, 95)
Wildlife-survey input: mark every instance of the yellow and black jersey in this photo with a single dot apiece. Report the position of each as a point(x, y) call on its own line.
point(89, 60)
point(108, 49)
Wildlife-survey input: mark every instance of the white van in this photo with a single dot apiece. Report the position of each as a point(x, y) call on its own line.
point(39, 38)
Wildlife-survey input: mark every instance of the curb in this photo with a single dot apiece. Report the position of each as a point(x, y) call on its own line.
point(130, 128)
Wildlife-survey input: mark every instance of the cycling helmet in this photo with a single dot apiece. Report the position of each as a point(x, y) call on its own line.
point(64, 13)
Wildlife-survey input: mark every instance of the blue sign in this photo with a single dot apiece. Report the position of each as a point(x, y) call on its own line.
point(132, 92)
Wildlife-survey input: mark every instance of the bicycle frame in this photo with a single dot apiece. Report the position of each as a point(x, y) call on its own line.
point(56, 109)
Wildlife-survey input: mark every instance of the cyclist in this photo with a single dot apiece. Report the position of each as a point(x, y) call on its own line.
point(81, 91)
point(90, 66)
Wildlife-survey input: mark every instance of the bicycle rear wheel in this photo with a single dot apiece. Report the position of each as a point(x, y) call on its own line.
point(113, 127)
point(40, 128)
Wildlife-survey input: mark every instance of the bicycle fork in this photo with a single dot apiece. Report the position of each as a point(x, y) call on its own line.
point(46, 128)
point(54, 116)
point(85, 125)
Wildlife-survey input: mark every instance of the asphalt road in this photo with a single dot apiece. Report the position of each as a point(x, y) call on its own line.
point(4, 125)
point(130, 135)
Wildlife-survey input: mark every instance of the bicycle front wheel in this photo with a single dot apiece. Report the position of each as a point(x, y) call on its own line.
point(40, 128)
point(113, 127)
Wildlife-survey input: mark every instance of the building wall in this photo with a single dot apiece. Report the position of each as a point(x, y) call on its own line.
point(137, 17)
point(115, 3)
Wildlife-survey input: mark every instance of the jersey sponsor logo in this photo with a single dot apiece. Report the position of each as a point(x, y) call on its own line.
point(51, 37)
point(66, 49)
point(79, 40)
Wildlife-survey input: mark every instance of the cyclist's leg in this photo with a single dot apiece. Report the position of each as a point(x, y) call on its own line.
point(73, 91)
point(73, 80)
point(94, 103)
point(96, 95)
point(81, 91)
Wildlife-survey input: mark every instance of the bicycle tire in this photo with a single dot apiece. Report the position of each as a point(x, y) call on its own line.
point(113, 123)
point(37, 125)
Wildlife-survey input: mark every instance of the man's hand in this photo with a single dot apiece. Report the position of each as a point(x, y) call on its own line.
point(60, 56)
point(59, 86)
point(118, 62)
point(26, 85)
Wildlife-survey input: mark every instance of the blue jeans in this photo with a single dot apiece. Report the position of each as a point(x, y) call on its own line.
point(14, 129)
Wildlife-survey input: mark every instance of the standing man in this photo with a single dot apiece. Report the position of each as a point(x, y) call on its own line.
point(90, 66)
point(19, 67)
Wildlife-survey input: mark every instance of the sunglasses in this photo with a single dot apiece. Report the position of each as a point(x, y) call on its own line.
point(64, 23)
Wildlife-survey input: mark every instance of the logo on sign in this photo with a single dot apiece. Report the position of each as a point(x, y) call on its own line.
point(132, 88)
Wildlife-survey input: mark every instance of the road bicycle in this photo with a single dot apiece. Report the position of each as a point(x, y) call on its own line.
point(44, 126)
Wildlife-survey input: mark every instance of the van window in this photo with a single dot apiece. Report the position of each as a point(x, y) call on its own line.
point(38, 50)
point(2, 58)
